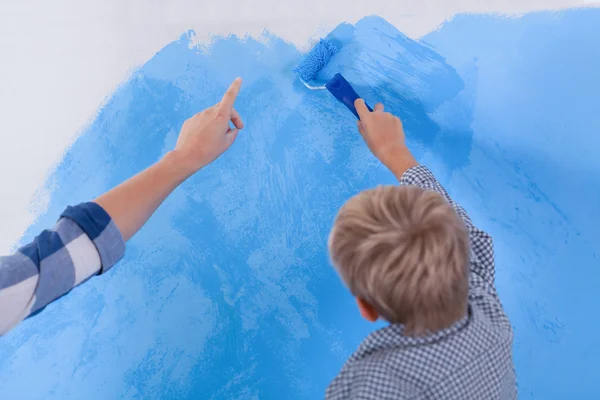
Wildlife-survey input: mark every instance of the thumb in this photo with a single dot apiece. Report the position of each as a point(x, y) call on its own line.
point(231, 135)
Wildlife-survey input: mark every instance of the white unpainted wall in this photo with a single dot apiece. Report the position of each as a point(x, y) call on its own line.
point(60, 59)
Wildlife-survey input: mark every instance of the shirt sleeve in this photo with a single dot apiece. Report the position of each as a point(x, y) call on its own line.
point(85, 241)
point(482, 269)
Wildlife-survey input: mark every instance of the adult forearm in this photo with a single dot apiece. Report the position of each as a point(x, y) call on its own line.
point(134, 201)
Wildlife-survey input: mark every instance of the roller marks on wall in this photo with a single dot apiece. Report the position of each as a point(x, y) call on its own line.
point(227, 292)
point(533, 182)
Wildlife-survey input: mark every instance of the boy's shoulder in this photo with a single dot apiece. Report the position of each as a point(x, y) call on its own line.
point(472, 359)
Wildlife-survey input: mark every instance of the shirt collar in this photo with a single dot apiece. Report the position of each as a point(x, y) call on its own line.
point(392, 336)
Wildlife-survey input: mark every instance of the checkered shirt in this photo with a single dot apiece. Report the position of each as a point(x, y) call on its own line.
point(84, 242)
point(470, 360)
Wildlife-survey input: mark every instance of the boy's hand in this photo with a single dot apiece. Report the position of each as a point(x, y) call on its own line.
point(384, 135)
point(207, 135)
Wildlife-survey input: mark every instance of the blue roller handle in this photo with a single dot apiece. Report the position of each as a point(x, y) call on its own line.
point(341, 90)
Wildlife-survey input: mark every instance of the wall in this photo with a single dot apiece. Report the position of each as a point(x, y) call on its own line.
point(62, 59)
point(236, 299)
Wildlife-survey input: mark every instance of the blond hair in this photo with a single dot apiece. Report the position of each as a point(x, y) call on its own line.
point(405, 251)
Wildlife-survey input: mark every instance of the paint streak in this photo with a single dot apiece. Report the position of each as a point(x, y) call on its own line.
point(227, 293)
point(534, 183)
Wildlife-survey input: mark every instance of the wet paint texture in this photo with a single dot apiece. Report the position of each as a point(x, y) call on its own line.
point(227, 293)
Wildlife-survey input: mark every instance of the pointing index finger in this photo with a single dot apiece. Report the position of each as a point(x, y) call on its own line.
point(361, 108)
point(226, 103)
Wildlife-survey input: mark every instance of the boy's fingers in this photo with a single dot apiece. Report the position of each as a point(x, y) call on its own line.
point(378, 107)
point(226, 103)
point(361, 108)
point(236, 119)
point(360, 128)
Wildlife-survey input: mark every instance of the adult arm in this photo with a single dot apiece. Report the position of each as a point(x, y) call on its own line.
point(90, 238)
point(384, 134)
point(203, 138)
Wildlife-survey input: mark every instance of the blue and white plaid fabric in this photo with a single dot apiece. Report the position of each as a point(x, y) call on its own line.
point(84, 241)
point(470, 360)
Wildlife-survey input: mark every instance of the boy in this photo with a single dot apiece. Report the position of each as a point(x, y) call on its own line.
point(412, 256)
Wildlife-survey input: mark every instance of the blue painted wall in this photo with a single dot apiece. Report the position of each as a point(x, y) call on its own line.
point(227, 293)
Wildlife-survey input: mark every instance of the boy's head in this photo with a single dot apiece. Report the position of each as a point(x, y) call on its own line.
point(403, 252)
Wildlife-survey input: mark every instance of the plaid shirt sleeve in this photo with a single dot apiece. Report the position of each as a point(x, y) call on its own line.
point(85, 241)
point(482, 250)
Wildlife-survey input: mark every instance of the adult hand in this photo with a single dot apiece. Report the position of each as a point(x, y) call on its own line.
point(384, 134)
point(207, 135)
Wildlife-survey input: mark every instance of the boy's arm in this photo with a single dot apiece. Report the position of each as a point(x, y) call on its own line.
point(482, 250)
point(384, 135)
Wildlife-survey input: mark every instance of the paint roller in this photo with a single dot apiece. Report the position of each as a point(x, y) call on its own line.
point(338, 86)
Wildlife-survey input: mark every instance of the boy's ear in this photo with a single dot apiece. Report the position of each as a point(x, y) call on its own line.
point(367, 310)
